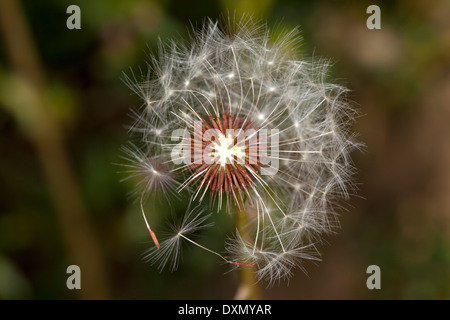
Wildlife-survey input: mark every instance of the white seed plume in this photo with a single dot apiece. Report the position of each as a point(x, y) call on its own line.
point(243, 79)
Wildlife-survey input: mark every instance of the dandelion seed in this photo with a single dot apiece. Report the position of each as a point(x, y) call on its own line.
point(169, 251)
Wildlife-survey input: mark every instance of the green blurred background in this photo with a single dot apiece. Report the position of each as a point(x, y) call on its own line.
point(63, 116)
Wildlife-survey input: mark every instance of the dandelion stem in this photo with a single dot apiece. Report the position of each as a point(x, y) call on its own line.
point(248, 288)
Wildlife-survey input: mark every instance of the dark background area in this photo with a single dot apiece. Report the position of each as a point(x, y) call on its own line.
point(63, 115)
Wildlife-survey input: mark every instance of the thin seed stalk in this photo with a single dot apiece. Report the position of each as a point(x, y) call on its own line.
point(248, 288)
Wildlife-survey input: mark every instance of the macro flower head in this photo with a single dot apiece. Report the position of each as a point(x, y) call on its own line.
point(236, 122)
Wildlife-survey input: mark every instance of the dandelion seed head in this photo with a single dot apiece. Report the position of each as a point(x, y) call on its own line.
point(273, 135)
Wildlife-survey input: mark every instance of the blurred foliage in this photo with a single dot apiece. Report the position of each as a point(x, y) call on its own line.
point(400, 79)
